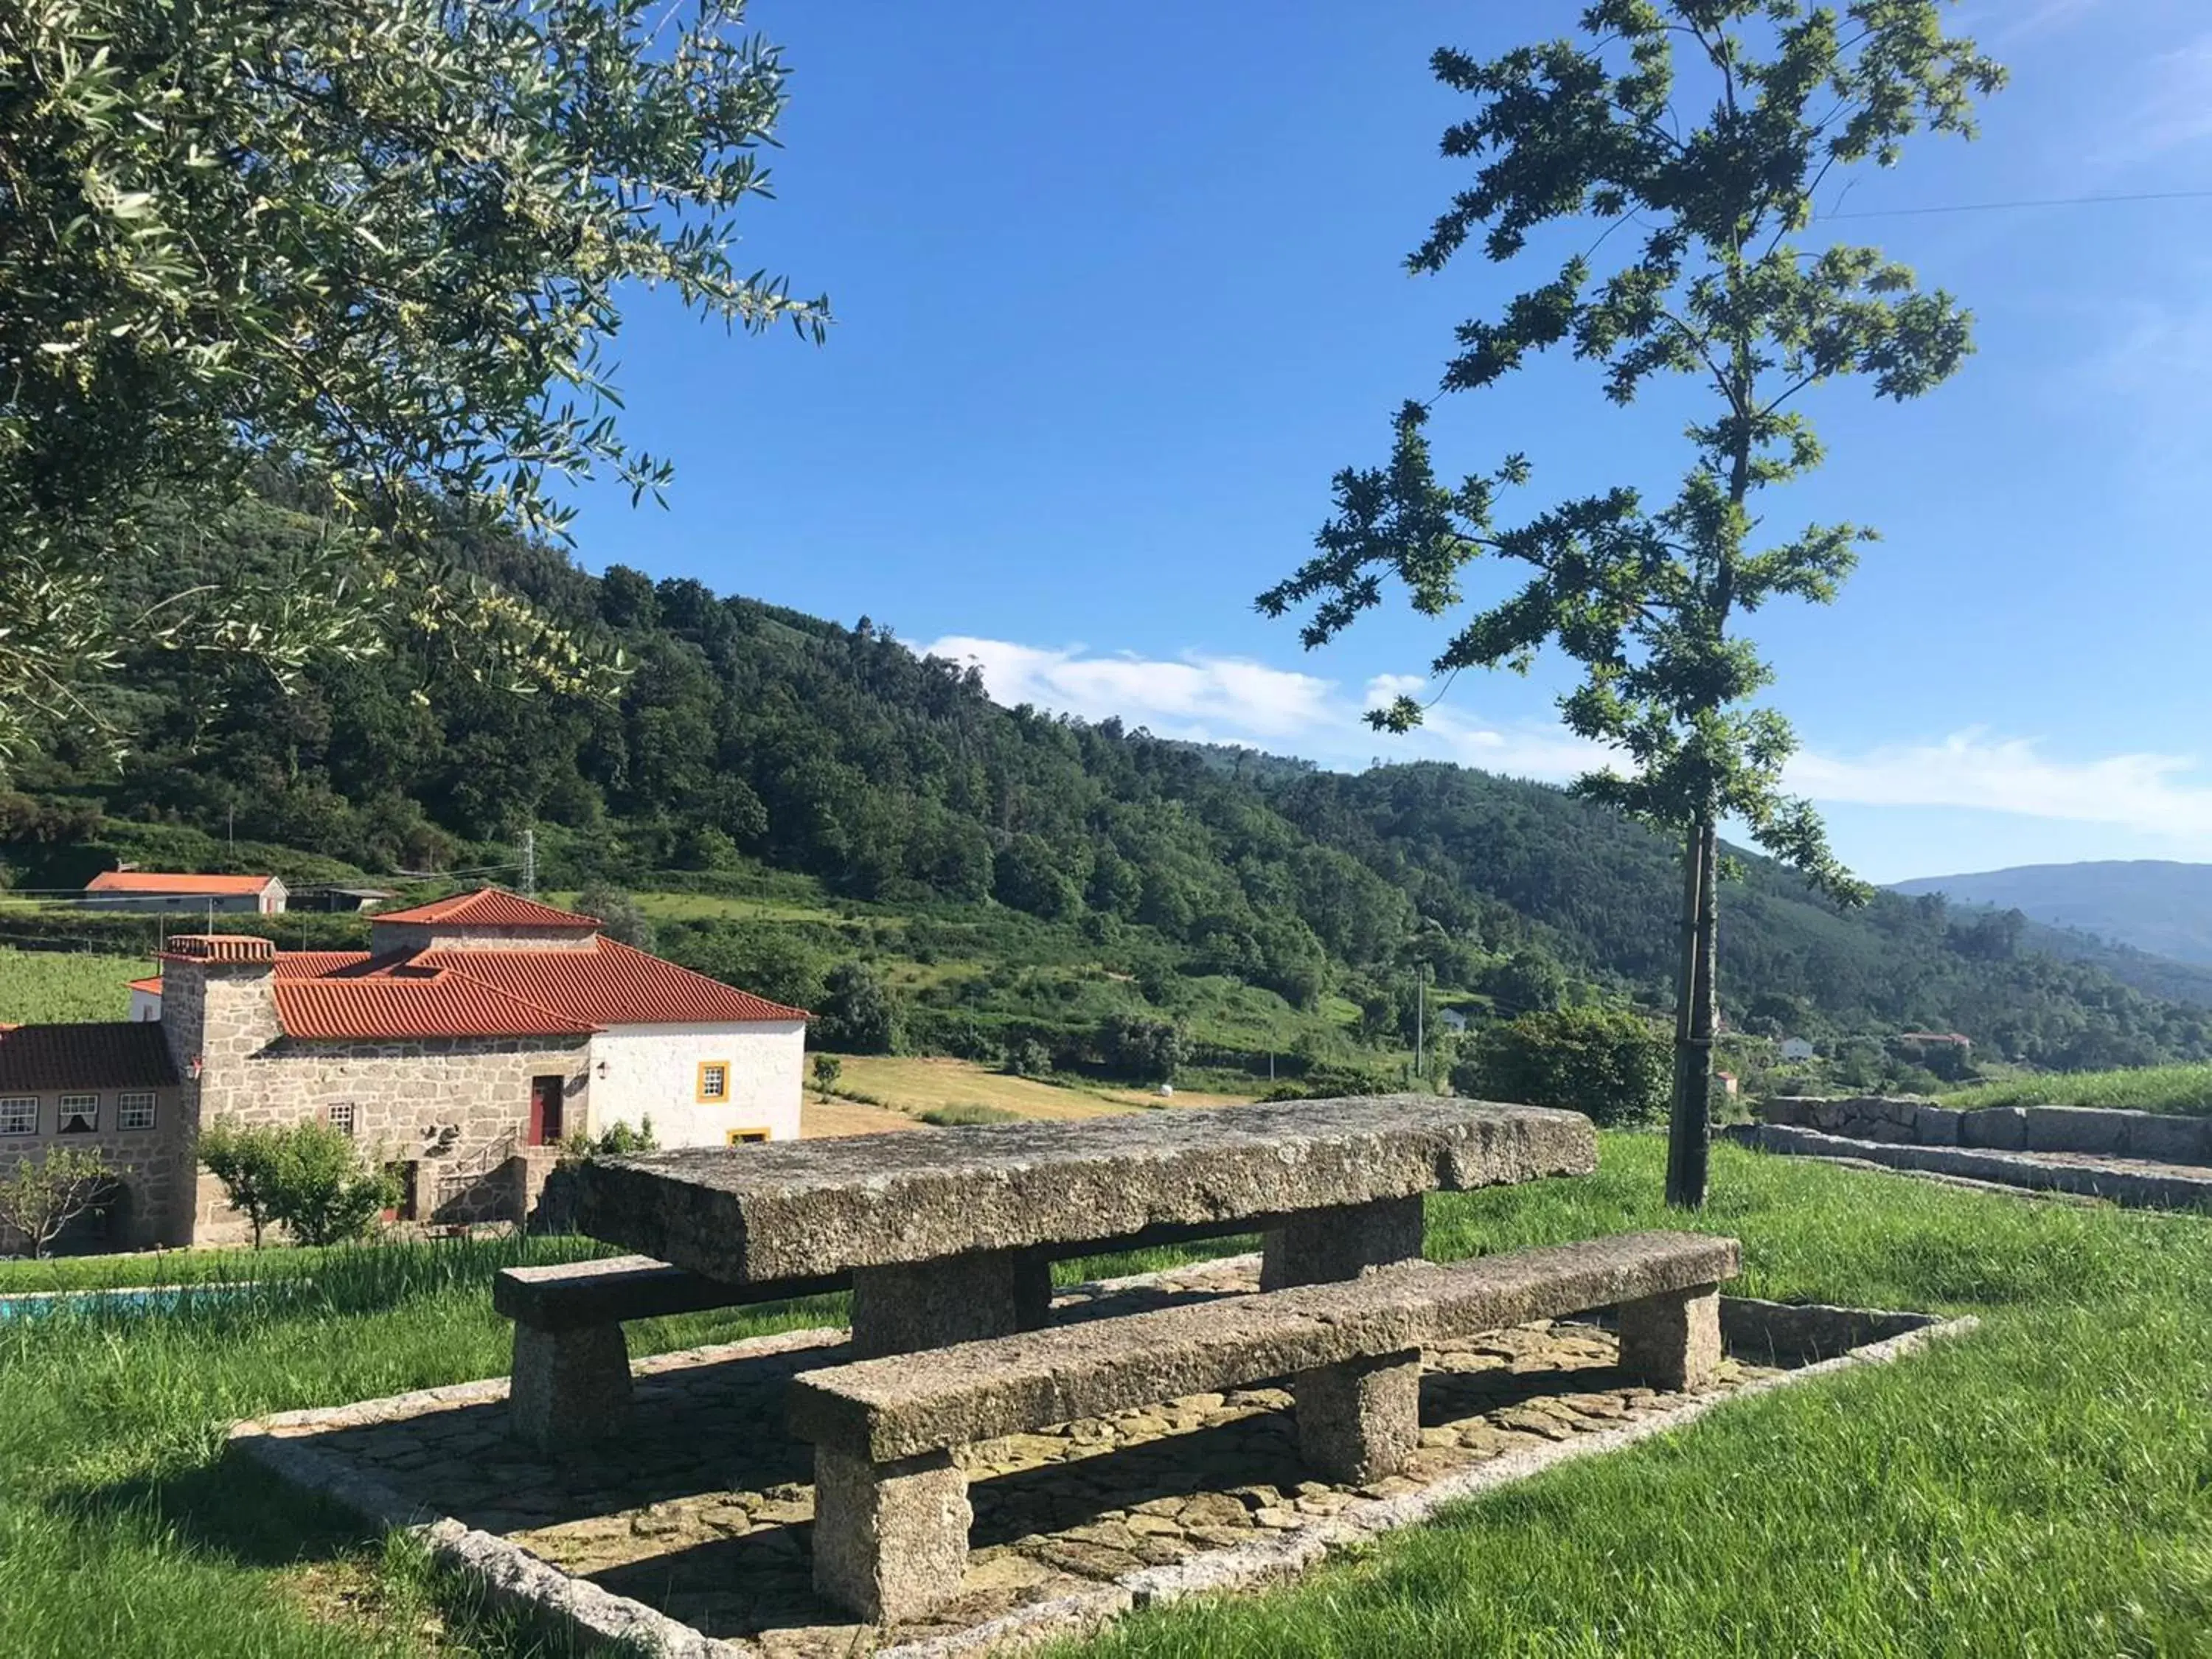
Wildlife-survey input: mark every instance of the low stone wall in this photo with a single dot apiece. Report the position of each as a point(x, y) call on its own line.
point(2154, 1137)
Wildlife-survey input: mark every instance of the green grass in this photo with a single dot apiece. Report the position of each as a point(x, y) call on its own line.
point(952, 1117)
point(2184, 1089)
point(36, 987)
point(2044, 1487)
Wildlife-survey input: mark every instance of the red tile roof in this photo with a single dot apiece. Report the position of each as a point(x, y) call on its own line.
point(611, 984)
point(491, 907)
point(157, 881)
point(88, 1054)
point(318, 965)
point(452, 1004)
point(151, 987)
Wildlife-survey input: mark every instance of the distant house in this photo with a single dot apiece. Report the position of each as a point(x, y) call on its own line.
point(1727, 1080)
point(461, 1048)
point(160, 890)
point(1451, 1019)
point(1796, 1048)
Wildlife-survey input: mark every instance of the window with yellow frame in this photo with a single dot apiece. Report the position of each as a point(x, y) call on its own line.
point(744, 1137)
point(714, 1082)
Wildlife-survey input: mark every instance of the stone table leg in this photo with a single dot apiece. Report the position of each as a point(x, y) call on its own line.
point(890, 1540)
point(961, 1299)
point(1323, 1246)
point(1672, 1341)
point(568, 1386)
point(1360, 1420)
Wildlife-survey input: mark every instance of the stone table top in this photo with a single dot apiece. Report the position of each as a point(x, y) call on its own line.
point(796, 1209)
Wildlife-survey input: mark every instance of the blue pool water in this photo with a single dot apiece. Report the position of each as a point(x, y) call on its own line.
point(158, 1299)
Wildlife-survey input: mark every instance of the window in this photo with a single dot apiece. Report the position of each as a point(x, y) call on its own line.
point(135, 1111)
point(18, 1116)
point(713, 1080)
point(80, 1115)
point(745, 1137)
point(340, 1114)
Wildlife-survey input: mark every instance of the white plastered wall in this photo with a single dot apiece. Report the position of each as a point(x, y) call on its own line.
point(652, 1071)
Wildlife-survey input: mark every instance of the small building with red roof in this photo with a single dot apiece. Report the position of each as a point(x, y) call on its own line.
point(473, 1036)
point(169, 891)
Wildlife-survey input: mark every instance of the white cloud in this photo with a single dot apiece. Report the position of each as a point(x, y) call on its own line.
point(2171, 110)
point(1237, 700)
point(1196, 697)
point(2163, 795)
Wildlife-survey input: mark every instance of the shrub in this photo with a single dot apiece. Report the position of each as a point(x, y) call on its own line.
point(1029, 1057)
point(1608, 1063)
point(827, 1068)
point(1149, 1050)
point(309, 1178)
point(950, 1117)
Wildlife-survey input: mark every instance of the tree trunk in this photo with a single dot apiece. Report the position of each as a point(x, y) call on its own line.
point(1695, 1017)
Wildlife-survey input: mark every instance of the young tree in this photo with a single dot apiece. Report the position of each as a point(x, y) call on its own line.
point(827, 1070)
point(244, 1159)
point(381, 243)
point(323, 1192)
point(41, 1196)
point(1700, 132)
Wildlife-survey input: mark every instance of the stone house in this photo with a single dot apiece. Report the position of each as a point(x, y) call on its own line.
point(108, 1086)
point(161, 892)
point(460, 1048)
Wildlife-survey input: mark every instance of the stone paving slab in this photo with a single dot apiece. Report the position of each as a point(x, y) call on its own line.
point(2137, 1183)
point(797, 1209)
point(691, 1537)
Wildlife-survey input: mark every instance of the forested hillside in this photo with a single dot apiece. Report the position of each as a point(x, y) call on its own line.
point(750, 745)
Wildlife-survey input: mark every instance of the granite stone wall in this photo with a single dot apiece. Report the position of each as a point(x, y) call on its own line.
point(2155, 1137)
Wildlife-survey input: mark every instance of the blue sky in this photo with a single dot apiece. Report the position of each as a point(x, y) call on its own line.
point(1118, 289)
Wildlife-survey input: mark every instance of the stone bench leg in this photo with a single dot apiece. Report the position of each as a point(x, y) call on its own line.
point(1323, 1246)
point(568, 1386)
point(1360, 1420)
point(916, 1306)
point(890, 1540)
point(1672, 1341)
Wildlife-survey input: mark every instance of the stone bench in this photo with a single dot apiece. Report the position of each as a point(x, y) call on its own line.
point(890, 1508)
point(571, 1380)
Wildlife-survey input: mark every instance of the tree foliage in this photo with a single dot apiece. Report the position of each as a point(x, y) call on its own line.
point(1609, 1064)
point(310, 1178)
point(1702, 130)
point(41, 1196)
point(382, 243)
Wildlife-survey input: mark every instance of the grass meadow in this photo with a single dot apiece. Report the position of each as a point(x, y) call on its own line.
point(37, 987)
point(2042, 1488)
point(2186, 1088)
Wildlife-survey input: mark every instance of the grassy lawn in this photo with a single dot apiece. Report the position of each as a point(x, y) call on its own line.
point(2186, 1088)
point(910, 1084)
point(2044, 1487)
point(36, 987)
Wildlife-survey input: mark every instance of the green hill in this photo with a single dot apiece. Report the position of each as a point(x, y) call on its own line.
point(822, 792)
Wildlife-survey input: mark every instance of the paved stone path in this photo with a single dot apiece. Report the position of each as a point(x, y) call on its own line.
point(703, 1511)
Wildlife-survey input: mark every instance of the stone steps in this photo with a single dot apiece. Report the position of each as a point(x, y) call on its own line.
point(2136, 1182)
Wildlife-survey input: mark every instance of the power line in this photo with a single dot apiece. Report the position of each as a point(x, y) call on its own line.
point(2024, 202)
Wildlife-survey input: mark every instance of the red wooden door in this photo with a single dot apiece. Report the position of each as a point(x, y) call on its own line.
point(546, 1095)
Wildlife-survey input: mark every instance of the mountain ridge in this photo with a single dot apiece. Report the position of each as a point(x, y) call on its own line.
point(2159, 906)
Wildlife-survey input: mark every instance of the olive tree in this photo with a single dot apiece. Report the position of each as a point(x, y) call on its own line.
point(381, 244)
point(1677, 149)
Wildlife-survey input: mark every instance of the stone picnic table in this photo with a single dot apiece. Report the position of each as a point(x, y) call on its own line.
point(950, 1236)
